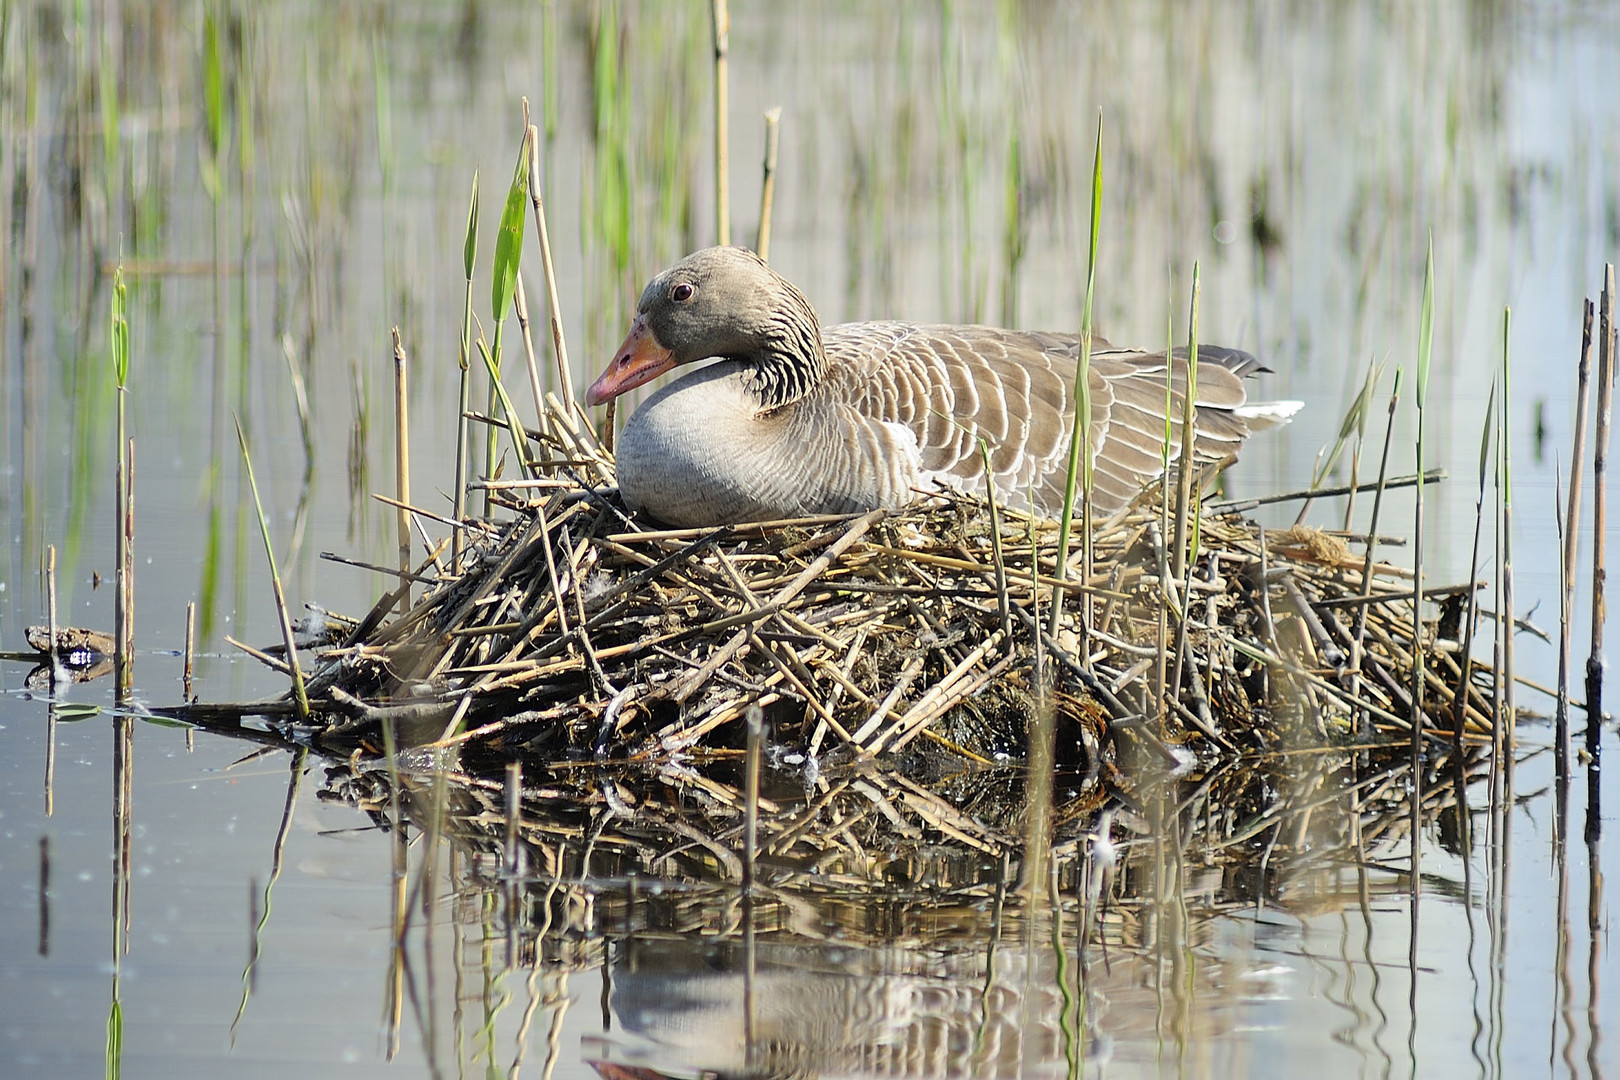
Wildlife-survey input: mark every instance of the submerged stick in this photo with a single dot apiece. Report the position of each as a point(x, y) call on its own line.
point(1600, 471)
point(755, 721)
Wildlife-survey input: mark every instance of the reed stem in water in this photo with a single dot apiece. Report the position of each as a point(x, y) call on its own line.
point(1571, 538)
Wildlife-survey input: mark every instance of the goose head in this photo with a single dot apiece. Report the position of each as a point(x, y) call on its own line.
point(720, 302)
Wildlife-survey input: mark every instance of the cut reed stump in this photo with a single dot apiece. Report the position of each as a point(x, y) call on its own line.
point(575, 634)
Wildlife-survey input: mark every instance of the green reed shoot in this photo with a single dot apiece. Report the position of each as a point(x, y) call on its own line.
point(469, 252)
point(508, 413)
point(213, 105)
point(213, 178)
point(1080, 464)
point(1425, 354)
point(1354, 425)
point(299, 697)
point(107, 85)
point(123, 618)
point(1465, 659)
point(503, 285)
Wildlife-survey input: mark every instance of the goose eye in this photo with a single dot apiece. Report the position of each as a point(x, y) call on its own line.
point(681, 293)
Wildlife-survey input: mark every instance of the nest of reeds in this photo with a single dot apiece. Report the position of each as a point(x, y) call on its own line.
point(921, 642)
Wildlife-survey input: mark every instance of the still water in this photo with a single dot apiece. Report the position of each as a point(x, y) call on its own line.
point(935, 165)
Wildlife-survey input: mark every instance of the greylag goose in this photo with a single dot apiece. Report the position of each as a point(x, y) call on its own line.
point(792, 419)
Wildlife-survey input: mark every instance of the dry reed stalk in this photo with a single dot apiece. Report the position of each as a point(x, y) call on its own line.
point(191, 622)
point(300, 697)
point(1185, 507)
point(1571, 544)
point(722, 185)
point(520, 307)
point(55, 658)
point(767, 189)
point(559, 345)
point(402, 468)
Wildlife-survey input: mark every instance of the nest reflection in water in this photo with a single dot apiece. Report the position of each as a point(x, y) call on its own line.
point(867, 943)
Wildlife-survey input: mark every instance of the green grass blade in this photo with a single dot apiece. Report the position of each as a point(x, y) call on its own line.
point(1425, 339)
point(509, 241)
point(275, 579)
point(120, 328)
point(469, 246)
point(1079, 474)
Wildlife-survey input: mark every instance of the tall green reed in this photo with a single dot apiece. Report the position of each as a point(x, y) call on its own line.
point(469, 253)
point(1078, 479)
point(288, 640)
point(124, 498)
point(503, 287)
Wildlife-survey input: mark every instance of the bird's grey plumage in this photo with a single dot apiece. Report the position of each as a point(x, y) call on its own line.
point(795, 420)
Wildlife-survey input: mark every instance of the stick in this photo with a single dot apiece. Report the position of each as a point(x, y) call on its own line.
point(856, 530)
point(191, 619)
point(565, 375)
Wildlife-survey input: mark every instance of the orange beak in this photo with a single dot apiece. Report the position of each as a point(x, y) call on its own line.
point(639, 360)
